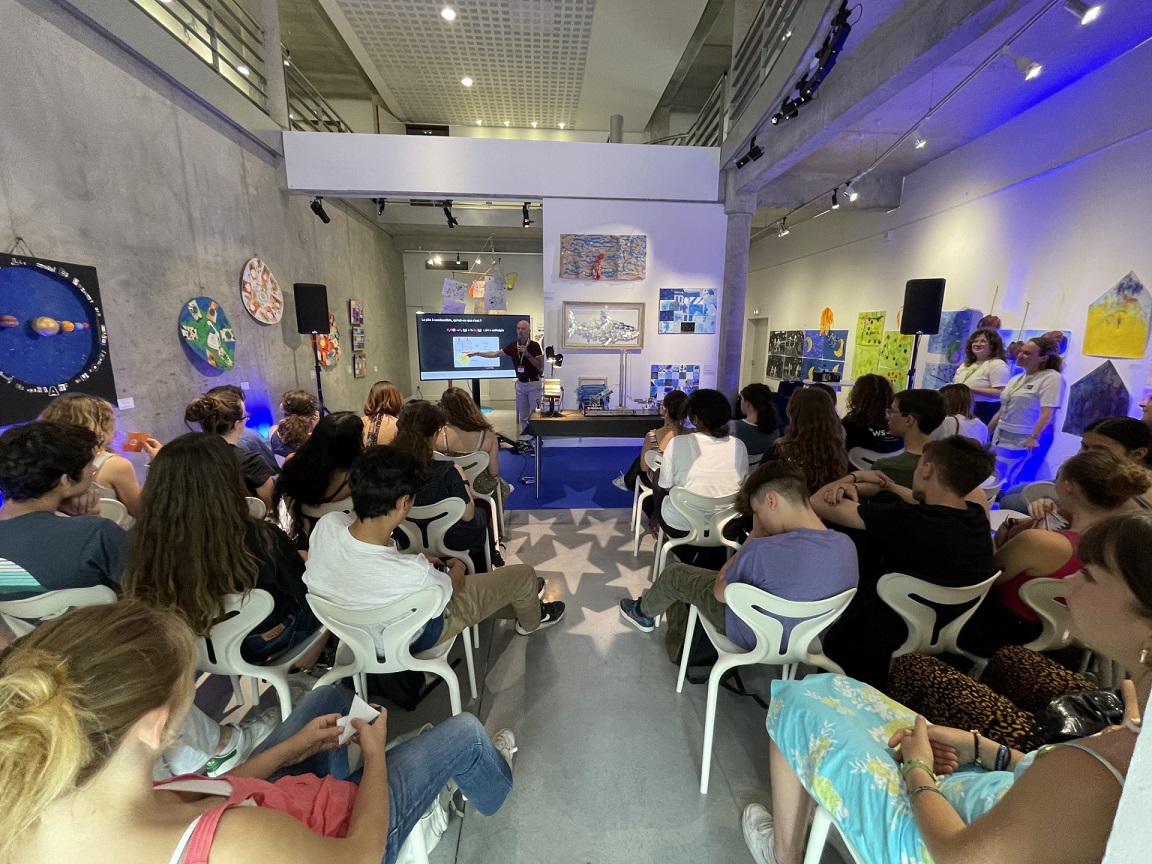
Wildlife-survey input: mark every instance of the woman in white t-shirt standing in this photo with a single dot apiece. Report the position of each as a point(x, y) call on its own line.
point(984, 371)
point(1031, 398)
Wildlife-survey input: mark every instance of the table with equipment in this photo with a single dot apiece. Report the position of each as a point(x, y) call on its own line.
point(573, 424)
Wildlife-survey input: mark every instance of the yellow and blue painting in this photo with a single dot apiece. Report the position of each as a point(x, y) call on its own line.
point(1118, 320)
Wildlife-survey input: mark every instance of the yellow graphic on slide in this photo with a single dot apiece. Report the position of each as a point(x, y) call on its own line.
point(463, 345)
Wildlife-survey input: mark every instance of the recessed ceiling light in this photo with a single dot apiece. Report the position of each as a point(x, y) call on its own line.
point(448, 13)
point(466, 81)
point(562, 125)
point(243, 70)
point(534, 124)
point(507, 122)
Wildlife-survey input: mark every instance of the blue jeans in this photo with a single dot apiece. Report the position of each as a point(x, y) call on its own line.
point(457, 749)
point(298, 626)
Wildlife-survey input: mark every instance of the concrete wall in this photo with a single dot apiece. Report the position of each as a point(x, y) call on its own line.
point(104, 163)
point(1044, 214)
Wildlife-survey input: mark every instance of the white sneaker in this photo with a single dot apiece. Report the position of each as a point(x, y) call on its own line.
point(245, 739)
point(620, 484)
point(759, 833)
point(505, 742)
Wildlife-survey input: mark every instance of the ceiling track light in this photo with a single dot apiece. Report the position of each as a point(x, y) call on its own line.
point(921, 141)
point(836, 198)
point(317, 206)
point(753, 154)
point(1087, 14)
point(380, 204)
point(850, 193)
point(452, 220)
point(526, 218)
point(287, 57)
point(1024, 65)
point(783, 232)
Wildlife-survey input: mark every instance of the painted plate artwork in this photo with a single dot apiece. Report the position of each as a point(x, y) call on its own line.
point(261, 292)
point(328, 344)
point(207, 332)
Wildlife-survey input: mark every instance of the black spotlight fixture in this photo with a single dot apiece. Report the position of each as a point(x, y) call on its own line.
point(380, 203)
point(836, 198)
point(317, 206)
point(754, 152)
point(452, 220)
point(525, 219)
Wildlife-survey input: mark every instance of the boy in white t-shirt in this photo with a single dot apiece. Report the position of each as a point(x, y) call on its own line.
point(353, 559)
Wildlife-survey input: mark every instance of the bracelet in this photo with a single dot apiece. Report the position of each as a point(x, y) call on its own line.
point(976, 746)
point(912, 793)
point(910, 764)
point(1003, 757)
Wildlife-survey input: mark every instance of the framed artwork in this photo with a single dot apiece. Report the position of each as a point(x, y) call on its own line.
point(789, 343)
point(261, 293)
point(684, 311)
point(207, 333)
point(603, 256)
point(1118, 321)
point(52, 335)
point(359, 365)
point(357, 338)
point(355, 312)
point(603, 325)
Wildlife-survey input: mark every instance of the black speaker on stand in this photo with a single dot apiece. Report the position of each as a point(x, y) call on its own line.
point(312, 318)
point(923, 300)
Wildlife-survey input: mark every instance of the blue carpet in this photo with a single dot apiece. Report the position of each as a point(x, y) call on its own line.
point(573, 477)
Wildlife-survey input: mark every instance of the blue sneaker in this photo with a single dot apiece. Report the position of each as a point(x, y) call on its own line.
point(630, 612)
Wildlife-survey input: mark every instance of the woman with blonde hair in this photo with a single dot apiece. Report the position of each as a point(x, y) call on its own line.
point(115, 476)
point(223, 414)
point(466, 431)
point(814, 439)
point(380, 410)
point(90, 700)
point(961, 418)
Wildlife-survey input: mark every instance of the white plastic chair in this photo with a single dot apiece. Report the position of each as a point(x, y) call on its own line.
point(653, 459)
point(863, 458)
point(707, 518)
point(115, 510)
point(22, 616)
point(219, 651)
point(759, 610)
point(1009, 461)
point(998, 517)
point(257, 509)
point(356, 657)
point(818, 837)
point(1040, 595)
point(473, 465)
point(992, 486)
point(1039, 489)
point(907, 595)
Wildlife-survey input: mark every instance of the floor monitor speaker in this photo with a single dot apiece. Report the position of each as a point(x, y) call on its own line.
point(923, 300)
point(312, 308)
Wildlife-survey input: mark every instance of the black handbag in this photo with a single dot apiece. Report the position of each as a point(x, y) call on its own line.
point(1078, 715)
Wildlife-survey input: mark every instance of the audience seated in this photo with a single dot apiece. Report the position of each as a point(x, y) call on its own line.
point(380, 411)
point(937, 531)
point(466, 431)
point(789, 553)
point(301, 414)
point(961, 417)
point(829, 391)
point(1091, 486)
point(195, 542)
point(316, 477)
point(89, 701)
point(674, 411)
point(1146, 413)
point(814, 439)
point(913, 417)
point(866, 423)
point(708, 462)
point(224, 415)
point(115, 476)
point(249, 439)
point(1007, 808)
point(43, 465)
point(354, 560)
point(417, 428)
point(760, 426)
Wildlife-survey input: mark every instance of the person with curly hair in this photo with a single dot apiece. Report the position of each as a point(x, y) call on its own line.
point(814, 439)
point(305, 409)
point(866, 423)
point(984, 370)
point(221, 412)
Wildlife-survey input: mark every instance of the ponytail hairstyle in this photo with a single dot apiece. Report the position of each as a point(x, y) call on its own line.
point(709, 412)
point(1105, 479)
point(760, 397)
point(675, 406)
point(216, 413)
point(88, 412)
point(416, 423)
point(71, 690)
point(299, 403)
point(1049, 352)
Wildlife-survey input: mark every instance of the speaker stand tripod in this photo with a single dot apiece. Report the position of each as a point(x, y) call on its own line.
point(912, 366)
point(319, 385)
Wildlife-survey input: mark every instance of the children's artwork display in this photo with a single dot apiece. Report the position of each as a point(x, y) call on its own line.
point(809, 365)
point(1100, 393)
point(955, 328)
point(666, 378)
point(825, 346)
point(1118, 320)
point(495, 295)
point(683, 311)
point(359, 365)
point(896, 350)
point(783, 368)
point(936, 375)
point(898, 378)
point(603, 256)
point(1013, 339)
point(357, 338)
point(865, 360)
point(52, 335)
point(789, 343)
point(455, 296)
point(870, 328)
point(261, 293)
point(603, 325)
point(355, 312)
point(207, 333)
point(328, 344)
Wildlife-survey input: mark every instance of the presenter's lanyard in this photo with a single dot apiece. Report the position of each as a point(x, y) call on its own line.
point(972, 370)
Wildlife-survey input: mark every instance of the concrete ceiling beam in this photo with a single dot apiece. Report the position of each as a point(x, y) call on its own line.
point(878, 191)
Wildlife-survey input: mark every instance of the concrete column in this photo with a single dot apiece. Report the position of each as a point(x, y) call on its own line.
point(275, 89)
point(740, 209)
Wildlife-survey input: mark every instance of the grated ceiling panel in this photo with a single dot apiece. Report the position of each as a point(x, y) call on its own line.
point(527, 57)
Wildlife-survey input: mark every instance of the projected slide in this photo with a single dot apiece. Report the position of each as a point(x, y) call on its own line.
point(445, 339)
point(461, 345)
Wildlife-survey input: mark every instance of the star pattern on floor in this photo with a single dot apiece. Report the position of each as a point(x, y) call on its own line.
point(572, 563)
point(601, 627)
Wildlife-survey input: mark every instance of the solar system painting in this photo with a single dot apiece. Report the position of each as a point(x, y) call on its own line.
point(52, 335)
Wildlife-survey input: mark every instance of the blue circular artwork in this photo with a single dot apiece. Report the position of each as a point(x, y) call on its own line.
point(207, 332)
point(51, 330)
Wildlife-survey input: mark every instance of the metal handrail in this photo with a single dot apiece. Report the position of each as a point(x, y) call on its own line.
point(708, 129)
point(759, 52)
point(308, 111)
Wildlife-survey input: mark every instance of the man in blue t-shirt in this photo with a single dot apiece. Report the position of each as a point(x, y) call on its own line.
point(789, 553)
point(42, 465)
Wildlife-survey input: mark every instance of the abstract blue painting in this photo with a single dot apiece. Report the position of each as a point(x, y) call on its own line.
point(955, 328)
point(1101, 393)
point(936, 375)
point(603, 256)
point(666, 378)
point(683, 311)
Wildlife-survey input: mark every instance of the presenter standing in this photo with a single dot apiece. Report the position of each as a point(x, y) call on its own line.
point(528, 357)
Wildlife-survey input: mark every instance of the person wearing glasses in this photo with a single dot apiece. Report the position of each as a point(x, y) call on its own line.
point(984, 371)
point(223, 414)
point(913, 416)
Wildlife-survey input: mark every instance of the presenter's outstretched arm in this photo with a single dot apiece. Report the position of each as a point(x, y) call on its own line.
point(489, 354)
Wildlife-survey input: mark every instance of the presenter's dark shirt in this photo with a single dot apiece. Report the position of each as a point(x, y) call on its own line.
point(532, 349)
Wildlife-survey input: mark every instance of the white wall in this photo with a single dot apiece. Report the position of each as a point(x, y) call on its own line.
point(685, 250)
point(423, 288)
point(1050, 210)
